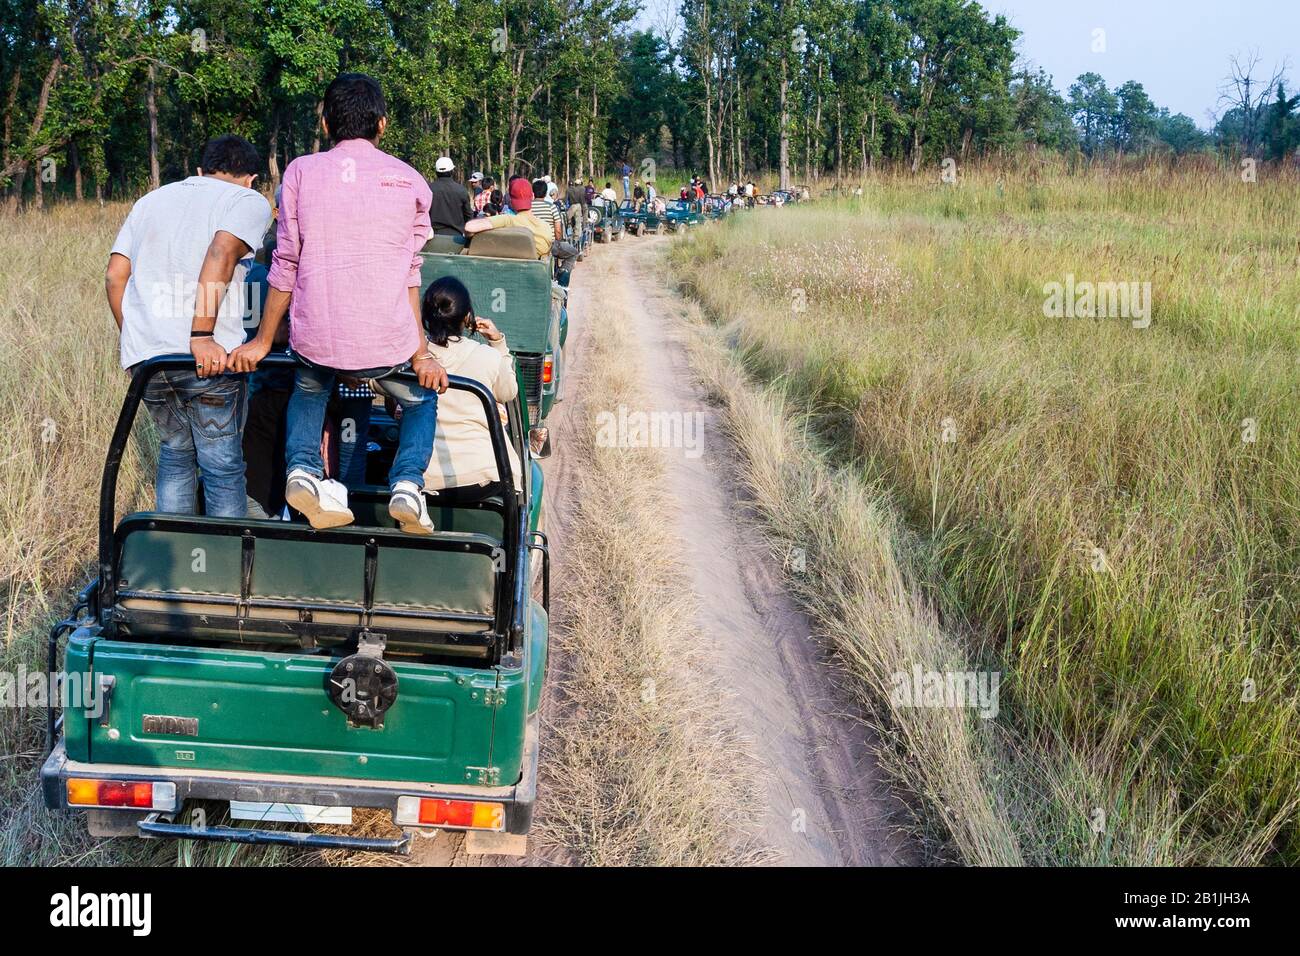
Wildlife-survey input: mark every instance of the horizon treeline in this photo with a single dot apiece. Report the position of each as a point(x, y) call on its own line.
point(106, 98)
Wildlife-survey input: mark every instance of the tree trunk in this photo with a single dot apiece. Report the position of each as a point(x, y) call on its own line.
point(151, 107)
point(316, 131)
point(872, 163)
point(839, 141)
point(817, 131)
point(18, 168)
point(784, 174)
point(74, 160)
point(11, 101)
point(591, 131)
point(273, 150)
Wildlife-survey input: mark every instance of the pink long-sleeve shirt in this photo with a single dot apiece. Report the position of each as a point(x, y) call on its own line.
point(352, 223)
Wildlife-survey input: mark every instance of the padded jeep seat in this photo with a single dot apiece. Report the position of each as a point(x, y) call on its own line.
point(447, 245)
point(193, 582)
point(515, 242)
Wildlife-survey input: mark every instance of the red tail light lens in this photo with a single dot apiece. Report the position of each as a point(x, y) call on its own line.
point(462, 814)
point(128, 794)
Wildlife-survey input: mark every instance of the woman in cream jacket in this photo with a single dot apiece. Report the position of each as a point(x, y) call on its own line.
point(463, 468)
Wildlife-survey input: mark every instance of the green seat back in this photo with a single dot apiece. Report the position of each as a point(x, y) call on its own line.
point(513, 293)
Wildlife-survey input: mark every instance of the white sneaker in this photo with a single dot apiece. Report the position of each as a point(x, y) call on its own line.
point(325, 503)
point(408, 508)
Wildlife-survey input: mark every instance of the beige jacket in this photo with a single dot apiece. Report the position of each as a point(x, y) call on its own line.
point(462, 444)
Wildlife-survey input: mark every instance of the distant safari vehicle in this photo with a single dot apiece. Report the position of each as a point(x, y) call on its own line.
point(295, 674)
point(715, 207)
point(509, 285)
point(643, 220)
point(606, 221)
point(682, 213)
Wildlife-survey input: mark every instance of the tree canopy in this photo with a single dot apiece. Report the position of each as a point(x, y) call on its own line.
point(110, 97)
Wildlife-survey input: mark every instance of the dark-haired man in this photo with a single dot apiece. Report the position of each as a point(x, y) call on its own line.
point(352, 223)
point(576, 199)
point(564, 252)
point(450, 207)
point(176, 284)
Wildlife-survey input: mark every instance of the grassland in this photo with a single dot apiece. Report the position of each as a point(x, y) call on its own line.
point(58, 371)
point(1104, 513)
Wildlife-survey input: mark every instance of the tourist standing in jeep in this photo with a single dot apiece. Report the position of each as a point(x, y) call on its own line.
point(352, 224)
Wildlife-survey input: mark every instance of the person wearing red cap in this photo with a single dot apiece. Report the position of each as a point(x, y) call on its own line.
point(521, 201)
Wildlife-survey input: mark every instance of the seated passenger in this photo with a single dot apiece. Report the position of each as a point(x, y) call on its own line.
point(608, 193)
point(521, 201)
point(462, 468)
point(484, 198)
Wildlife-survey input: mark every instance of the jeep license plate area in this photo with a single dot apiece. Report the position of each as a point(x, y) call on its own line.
point(289, 813)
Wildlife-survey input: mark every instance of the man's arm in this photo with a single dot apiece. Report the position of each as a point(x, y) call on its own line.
point(245, 357)
point(426, 368)
point(224, 252)
point(115, 279)
point(280, 279)
point(478, 225)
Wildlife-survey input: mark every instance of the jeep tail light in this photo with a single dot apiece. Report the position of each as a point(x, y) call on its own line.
point(548, 369)
point(455, 814)
point(124, 794)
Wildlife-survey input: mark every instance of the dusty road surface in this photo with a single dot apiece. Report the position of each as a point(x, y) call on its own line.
point(825, 801)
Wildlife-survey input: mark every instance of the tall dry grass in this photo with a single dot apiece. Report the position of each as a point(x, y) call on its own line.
point(60, 385)
point(1098, 530)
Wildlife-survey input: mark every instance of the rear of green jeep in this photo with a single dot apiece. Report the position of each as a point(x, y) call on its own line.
point(222, 654)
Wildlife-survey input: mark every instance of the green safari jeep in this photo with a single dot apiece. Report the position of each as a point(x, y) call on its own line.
point(294, 673)
point(683, 213)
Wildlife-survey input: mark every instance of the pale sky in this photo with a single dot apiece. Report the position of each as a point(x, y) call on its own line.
point(1177, 49)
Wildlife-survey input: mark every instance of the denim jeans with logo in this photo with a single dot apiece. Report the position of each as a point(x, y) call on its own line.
point(313, 385)
point(201, 423)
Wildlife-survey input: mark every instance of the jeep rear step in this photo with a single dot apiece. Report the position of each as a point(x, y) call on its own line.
point(517, 801)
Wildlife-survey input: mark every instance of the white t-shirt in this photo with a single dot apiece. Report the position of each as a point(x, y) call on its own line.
point(166, 236)
point(608, 195)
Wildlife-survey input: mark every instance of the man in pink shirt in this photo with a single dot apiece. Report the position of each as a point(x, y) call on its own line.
point(352, 223)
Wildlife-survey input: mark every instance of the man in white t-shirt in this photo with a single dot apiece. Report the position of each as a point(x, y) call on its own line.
point(176, 285)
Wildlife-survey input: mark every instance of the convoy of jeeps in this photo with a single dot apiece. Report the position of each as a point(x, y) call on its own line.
point(279, 677)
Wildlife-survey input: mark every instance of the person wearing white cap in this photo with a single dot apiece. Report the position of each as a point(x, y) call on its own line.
point(450, 208)
point(476, 182)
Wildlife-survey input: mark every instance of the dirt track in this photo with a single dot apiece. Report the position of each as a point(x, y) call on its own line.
point(825, 801)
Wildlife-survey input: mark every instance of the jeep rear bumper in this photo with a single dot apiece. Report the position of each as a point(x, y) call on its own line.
point(518, 799)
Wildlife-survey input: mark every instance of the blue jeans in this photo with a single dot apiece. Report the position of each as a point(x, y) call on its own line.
point(201, 424)
point(312, 387)
point(627, 187)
